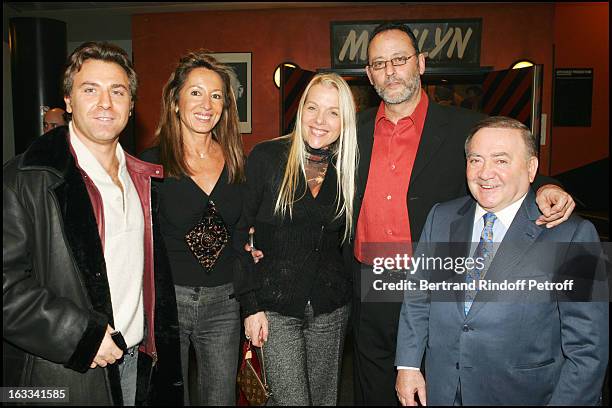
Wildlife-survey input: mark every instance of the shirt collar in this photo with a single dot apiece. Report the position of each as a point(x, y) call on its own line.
point(505, 216)
point(87, 161)
point(417, 116)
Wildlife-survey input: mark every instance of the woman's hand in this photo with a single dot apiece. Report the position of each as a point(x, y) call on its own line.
point(255, 253)
point(256, 328)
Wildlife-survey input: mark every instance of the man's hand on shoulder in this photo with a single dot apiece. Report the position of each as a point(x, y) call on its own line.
point(555, 204)
point(409, 383)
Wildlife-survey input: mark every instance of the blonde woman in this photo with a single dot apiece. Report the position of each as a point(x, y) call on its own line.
point(299, 198)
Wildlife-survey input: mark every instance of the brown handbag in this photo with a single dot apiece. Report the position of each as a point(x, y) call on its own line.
point(252, 377)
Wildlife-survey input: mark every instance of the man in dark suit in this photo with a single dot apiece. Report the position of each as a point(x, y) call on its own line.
point(519, 345)
point(411, 157)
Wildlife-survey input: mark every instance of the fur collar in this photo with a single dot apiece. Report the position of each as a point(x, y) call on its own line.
point(51, 151)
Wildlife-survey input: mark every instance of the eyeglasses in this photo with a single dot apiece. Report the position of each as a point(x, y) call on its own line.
point(396, 62)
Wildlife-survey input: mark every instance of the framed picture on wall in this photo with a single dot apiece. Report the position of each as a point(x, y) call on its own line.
point(240, 62)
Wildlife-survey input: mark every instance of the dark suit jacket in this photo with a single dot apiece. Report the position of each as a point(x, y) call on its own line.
point(439, 168)
point(438, 174)
point(513, 347)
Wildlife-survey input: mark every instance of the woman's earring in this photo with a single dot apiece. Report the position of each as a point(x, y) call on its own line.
point(176, 109)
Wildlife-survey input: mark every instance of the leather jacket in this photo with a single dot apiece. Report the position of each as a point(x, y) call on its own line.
point(56, 303)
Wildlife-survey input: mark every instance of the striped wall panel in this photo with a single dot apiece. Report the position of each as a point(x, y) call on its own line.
point(293, 83)
point(509, 93)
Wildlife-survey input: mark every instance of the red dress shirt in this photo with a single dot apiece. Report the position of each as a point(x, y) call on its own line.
point(383, 226)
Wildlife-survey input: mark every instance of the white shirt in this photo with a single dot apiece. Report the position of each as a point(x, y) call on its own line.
point(501, 224)
point(123, 240)
point(500, 227)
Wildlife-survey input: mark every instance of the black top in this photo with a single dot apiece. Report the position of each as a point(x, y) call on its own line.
point(181, 205)
point(302, 258)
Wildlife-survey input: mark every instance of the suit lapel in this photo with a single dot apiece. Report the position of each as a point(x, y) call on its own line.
point(431, 139)
point(365, 143)
point(521, 235)
point(460, 239)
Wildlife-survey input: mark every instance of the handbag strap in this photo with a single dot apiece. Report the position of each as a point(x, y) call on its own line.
point(263, 366)
point(261, 362)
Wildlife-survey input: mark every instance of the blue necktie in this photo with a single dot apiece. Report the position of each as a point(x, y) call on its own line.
point(483, 251)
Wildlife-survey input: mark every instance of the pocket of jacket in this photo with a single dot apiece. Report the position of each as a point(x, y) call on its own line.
point(534, 365)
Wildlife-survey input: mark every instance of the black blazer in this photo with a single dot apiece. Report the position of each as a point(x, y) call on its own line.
point(438, 174)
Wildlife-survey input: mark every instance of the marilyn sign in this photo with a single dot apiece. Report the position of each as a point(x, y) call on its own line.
point(447, 43)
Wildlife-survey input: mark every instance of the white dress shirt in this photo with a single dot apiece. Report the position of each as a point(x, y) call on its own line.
point(501, 224)
point(123, 240)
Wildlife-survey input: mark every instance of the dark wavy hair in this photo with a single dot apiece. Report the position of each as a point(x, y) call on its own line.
point(226, 132)
point(102, 51)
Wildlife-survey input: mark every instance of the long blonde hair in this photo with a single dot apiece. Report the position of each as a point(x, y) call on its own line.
point(345, 156)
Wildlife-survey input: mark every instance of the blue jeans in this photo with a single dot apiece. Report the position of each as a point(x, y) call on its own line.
point(128, 370)
point(209, 319)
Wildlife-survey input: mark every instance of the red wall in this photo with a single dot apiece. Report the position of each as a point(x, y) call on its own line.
point(509, 32)
point(582, 41)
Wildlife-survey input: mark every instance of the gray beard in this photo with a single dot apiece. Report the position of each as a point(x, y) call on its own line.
point(409, 90)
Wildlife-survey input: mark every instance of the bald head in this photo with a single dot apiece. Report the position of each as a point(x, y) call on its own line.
point(53, 118)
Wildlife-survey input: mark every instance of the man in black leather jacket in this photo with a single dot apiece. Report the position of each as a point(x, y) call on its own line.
point(88, 303)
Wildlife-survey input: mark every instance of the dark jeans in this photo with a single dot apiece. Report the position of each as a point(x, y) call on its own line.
point(128, 373)
point(209, 319)
point(303, 357)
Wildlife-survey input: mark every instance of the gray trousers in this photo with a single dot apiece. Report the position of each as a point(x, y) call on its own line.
point(303, 357)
